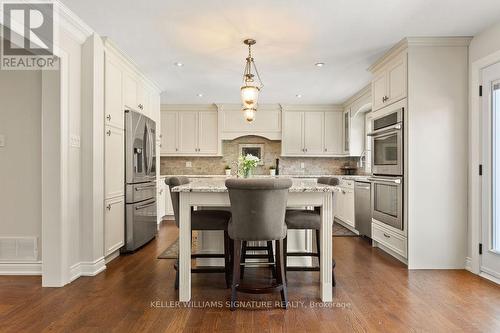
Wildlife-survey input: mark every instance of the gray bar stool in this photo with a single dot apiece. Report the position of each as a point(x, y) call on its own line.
point(258, 209)
point(203, 220)
point(308, 220)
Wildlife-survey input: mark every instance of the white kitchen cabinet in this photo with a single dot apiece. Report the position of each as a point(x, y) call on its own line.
point(346, 130)
point(169, 134)
point(114, 224)
point(267, 122)
point(161, 189)
point(114, 162)
point(312, 133)
point(207, 132)
point(344, 208)
point(353, 121)
point(292, 138)
point(190, 133)
point(333, 133)
point(129, 91)
point(314, 137)
point(390, 82)
point(113, 102)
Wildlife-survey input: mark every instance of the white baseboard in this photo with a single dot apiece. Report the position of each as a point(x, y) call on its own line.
point(468, 264)
point(112, 256)
point(21, 268)
point(390, 252)
point(87, 268)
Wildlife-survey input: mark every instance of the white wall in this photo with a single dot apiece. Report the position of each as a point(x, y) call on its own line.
point(482, 45)
point(20, 159)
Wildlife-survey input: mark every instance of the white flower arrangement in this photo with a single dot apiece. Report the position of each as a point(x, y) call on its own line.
point(246, 164)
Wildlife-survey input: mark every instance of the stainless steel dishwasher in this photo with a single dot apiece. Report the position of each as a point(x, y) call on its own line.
point(362, 208)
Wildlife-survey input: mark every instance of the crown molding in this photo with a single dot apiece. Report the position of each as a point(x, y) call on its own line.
point(402, 45)
point(72, 23)
point(111, 46)
point(366, 90)
point(188, 107)
point(312, 107)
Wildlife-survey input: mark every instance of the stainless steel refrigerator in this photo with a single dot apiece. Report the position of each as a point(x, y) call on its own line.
point(140, 180)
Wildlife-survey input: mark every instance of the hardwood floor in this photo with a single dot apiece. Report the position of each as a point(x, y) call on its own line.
point(374, 293)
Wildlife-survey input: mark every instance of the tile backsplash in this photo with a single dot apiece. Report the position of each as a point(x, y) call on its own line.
point(272, 151)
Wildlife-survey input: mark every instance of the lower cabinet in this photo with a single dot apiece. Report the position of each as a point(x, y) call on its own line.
point(114, 224)
point(390, 239)
point(344, 208)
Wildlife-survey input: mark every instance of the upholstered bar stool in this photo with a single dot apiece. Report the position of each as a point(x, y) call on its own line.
point(258, 214)
point(308, 220)
point(203, 220)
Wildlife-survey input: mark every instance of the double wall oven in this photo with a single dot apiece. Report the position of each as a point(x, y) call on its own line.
point(387, 167)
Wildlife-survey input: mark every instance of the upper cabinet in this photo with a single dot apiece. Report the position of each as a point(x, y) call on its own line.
point(389, 84)
point(190, 131)
point(312, 131)
point(267, 122)
point(353, 122)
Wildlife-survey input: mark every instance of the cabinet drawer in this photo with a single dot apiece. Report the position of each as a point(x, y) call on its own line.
point(390, 239)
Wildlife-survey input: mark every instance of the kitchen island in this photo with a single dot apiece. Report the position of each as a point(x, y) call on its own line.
point(212, 192)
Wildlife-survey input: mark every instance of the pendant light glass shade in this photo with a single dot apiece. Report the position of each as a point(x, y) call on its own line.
point(249, 96)
point(249, 114)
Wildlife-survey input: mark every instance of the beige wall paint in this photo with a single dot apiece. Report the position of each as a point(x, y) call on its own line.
point(20, 159)
point(272, 151)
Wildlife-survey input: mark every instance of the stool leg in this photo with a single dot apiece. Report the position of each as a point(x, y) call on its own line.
point(236, 272)
point(270, 257)
point(227, 263)
point(176, 283)
point(318, 247)
point(243, 257)
point(281, 272)
point(285, 251)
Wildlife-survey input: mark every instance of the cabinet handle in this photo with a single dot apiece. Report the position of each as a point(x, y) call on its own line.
point(108, 117)
point(161, 135)
point(306, 150)
point(140, 106)
point(108, 207)
point(108, 132)
point(160, 145)
point(326, 149)
point(386, 235)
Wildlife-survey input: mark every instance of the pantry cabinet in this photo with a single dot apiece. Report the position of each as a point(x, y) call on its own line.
point(389, 84)
point(190, 133)
point(114, 230)
point(114, 162)
point(311, 133)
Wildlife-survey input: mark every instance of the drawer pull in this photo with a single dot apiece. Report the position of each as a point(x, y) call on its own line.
point(108, 132)
point(386, 235)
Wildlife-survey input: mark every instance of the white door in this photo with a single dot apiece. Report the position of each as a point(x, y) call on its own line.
point(188, 132)
point(292, 133)
point(379, 90)
point(333, 133)
point(169, 132)
point(113, 103)
point(114, 162)
point(208, 140)
point(313, 133)
point(396, 80)
point(490, 226)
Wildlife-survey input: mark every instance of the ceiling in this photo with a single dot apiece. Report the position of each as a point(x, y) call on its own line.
point(292, 35)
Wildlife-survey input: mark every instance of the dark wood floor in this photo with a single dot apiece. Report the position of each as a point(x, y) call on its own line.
point(374, 293)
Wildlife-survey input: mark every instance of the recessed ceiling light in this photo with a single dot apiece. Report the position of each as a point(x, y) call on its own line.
point(178, 64)
point(319, 64)
point(298, 96)
point(200, 95)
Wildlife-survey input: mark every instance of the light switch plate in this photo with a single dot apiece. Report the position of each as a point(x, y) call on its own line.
point(2, 140)
point(189, 164)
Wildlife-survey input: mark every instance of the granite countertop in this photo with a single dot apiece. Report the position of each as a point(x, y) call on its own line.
point(218, 185)
point(347, 177)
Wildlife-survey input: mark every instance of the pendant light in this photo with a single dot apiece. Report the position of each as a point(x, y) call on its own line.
point(250, 89)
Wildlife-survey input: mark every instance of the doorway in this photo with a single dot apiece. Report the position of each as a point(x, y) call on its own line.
point(489, 247)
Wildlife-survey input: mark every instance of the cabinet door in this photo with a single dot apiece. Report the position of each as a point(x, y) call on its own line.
point(169, 130)
point(379, 90)
point(114, 162)
point(188, 132)
point(129, 91)
point(208, 138)
point(314, 133)
point(339, 205)
point(292, 137)
point(161, 188)
point(113, 103)
point(142, 99)
point(114, 224)
point(346, 130)
point(349, 207)
point(333, 133)
point(396, 80)
point(169, 208)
